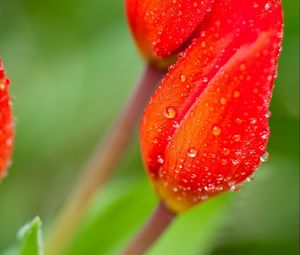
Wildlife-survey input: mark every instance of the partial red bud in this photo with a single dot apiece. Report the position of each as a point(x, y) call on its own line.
point(161, 27)
point(205, 130)
point(6, 123)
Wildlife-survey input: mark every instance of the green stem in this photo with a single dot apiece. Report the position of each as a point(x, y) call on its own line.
point(151, 231)
point(102, 163)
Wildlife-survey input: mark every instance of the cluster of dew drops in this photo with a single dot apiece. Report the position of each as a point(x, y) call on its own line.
point(170, 113)
point(4, 83)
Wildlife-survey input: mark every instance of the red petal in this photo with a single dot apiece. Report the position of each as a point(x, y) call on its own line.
point(205, 128)
point(161, 27)
point(6, 126)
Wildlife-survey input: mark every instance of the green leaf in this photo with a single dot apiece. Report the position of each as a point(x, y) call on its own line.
point(116, 213)
point(30, 236)
point(30, 240)
point(119, 212)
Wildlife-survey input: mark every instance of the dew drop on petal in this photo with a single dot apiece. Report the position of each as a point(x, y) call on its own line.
point(176, 124)
point(223, 101)
point(236, 94)
point(170, 67)
point(238, 121)
point(267, 6)
point(216, 130)
point(264, 135)
point(235, 162)
point(242, 67)
point(183, 78)
point(268, 115)
point(192, 152)
point(224, 162)
point(193, 176)
point(253, 121)
point(226, 151)
point(170, 112)
point(204, 197)
point(235, 187)
point(204, 79)
point(160, 160)
point(250, 178)
point(236, 138)
point(265, 157)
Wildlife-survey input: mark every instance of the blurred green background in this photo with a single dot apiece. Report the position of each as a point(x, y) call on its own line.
point(72, 64)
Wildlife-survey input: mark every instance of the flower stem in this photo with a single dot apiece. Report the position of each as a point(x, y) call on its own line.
point(156, 225)
point(102, 163)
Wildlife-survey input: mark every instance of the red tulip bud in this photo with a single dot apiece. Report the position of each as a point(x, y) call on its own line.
point(162, 27)
point(205, 130)
point(6, 124)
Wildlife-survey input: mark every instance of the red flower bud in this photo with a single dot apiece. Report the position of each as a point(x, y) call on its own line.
point(161, 27)
point(205, 130)
point(6, 124)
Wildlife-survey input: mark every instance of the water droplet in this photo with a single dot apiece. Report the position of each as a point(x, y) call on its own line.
point(192, 152)
point(270, 77)
point(262, 147)
point(175, 189)
point(235, 162)
point(170, 67)
point(176, 124)
point(235, 187)
point(236, 94)
point(204, 79)
point(160, 160)
point(276, 74)
point(170, 112)
point(224, 162)
point(204, 197)
point(223, 101)
point(236, 138)
point(216, 130)
point(265, 157)
point(268, 115)
point(267, 6)
point(250, 178)
point(219, 188)
point(226, 151)
point(238, 121)
point(155, 140)
point(242, 67)
point(183, 78)
point(9, 142)
point(264, 135)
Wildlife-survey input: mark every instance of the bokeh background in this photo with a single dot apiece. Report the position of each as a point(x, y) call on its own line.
point(72, 64)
